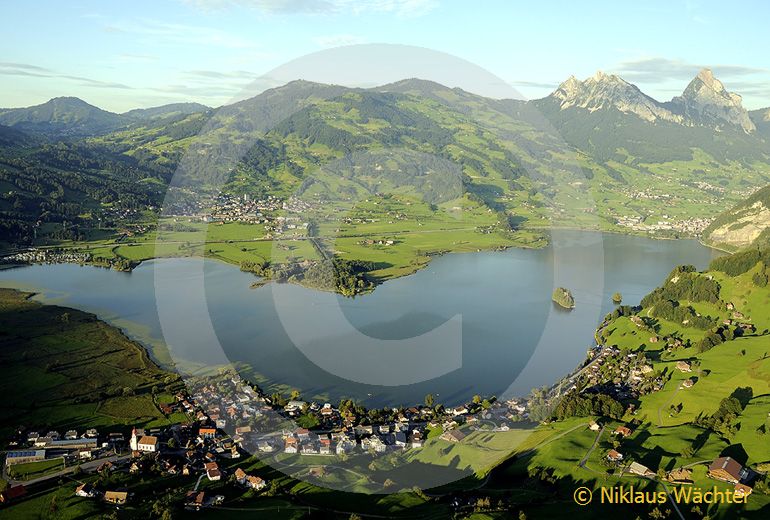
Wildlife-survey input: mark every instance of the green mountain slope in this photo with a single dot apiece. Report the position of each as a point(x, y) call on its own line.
point(63, 116)
point(595, 154)
point(172, 109)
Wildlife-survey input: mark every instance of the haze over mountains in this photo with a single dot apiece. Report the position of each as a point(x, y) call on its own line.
point(597, 152)
point(705, 102)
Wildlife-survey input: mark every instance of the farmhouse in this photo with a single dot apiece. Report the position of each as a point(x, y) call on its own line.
point(727, 469)
point(255, 483)
point(291, 445)
point(638, 469)
point(623, 431)
point(680, 476)
point(614, 456)
point(195, 499)
point(683, 366)
point(453, 436)
point(85, 490)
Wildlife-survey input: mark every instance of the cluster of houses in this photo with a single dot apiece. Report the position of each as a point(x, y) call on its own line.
point(373, 242)
point(621, 432)
point(230, 417)
point(227, 402)
point(244, 209)
point(620, 375)
point(46, 256)
point(34, 447)
point(185, 450)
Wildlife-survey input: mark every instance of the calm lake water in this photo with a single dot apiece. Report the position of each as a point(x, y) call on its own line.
point(475, 323)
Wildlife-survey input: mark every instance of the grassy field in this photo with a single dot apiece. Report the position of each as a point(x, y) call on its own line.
point(37, 469)
point(416, 231)
point(664, 440)
point(73, 370)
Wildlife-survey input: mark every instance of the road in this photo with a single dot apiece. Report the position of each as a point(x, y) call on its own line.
point(582, 462)
point(673, 396)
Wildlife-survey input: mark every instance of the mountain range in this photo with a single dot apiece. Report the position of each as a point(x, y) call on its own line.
point(704, 102)
point(594, 153)
point(73, 117)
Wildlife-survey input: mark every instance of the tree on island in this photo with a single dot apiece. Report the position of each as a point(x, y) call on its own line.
point(563, 297)
point(617, 298)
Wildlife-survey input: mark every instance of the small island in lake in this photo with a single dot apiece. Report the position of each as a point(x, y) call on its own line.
point(563, 297)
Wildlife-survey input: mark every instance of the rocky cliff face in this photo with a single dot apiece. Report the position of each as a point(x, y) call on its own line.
point(761, 118)
point(707, 102)
point(742, 225)
point(603, 91)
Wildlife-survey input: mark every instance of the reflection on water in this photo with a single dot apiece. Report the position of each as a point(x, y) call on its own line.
point(503, 298)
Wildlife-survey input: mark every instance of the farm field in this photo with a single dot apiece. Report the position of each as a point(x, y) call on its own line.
point(73, 370)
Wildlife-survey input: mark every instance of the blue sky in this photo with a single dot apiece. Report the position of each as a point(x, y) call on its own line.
point(208, 50)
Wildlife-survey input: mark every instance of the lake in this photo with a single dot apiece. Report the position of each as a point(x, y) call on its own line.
point(471, 323)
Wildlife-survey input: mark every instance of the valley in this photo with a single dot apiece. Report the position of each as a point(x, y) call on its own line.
point(349, 190)
point(390, 175)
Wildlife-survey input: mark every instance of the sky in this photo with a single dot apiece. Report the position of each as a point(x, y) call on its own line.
point(157, 52)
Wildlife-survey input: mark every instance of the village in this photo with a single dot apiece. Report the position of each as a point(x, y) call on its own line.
point(693, 227)
point(230, 420)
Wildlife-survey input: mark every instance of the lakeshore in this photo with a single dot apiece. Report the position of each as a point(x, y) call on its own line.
point(481, 287)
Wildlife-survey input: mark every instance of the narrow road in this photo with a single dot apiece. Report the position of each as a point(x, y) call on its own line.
point(582, 462)
point(198, 482)
point(670, 496)
point(673, 396)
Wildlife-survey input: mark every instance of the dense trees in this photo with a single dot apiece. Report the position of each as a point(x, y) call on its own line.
point(672, 310)
point(75, 187)
point(739, 263)
point(575, 404)
point(348, 277)
point(685, 283)
point(730, 408)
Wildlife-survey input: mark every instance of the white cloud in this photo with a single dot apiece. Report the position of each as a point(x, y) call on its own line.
point(338, 40)
point(661, 73)
point(398, 7)
point(29, 70)
point(655, 70)
point(156, 32)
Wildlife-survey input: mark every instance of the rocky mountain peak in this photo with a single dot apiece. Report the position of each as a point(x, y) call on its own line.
point(707, 102)
point(603, 90)
point(706, 76)
point(602, 77)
